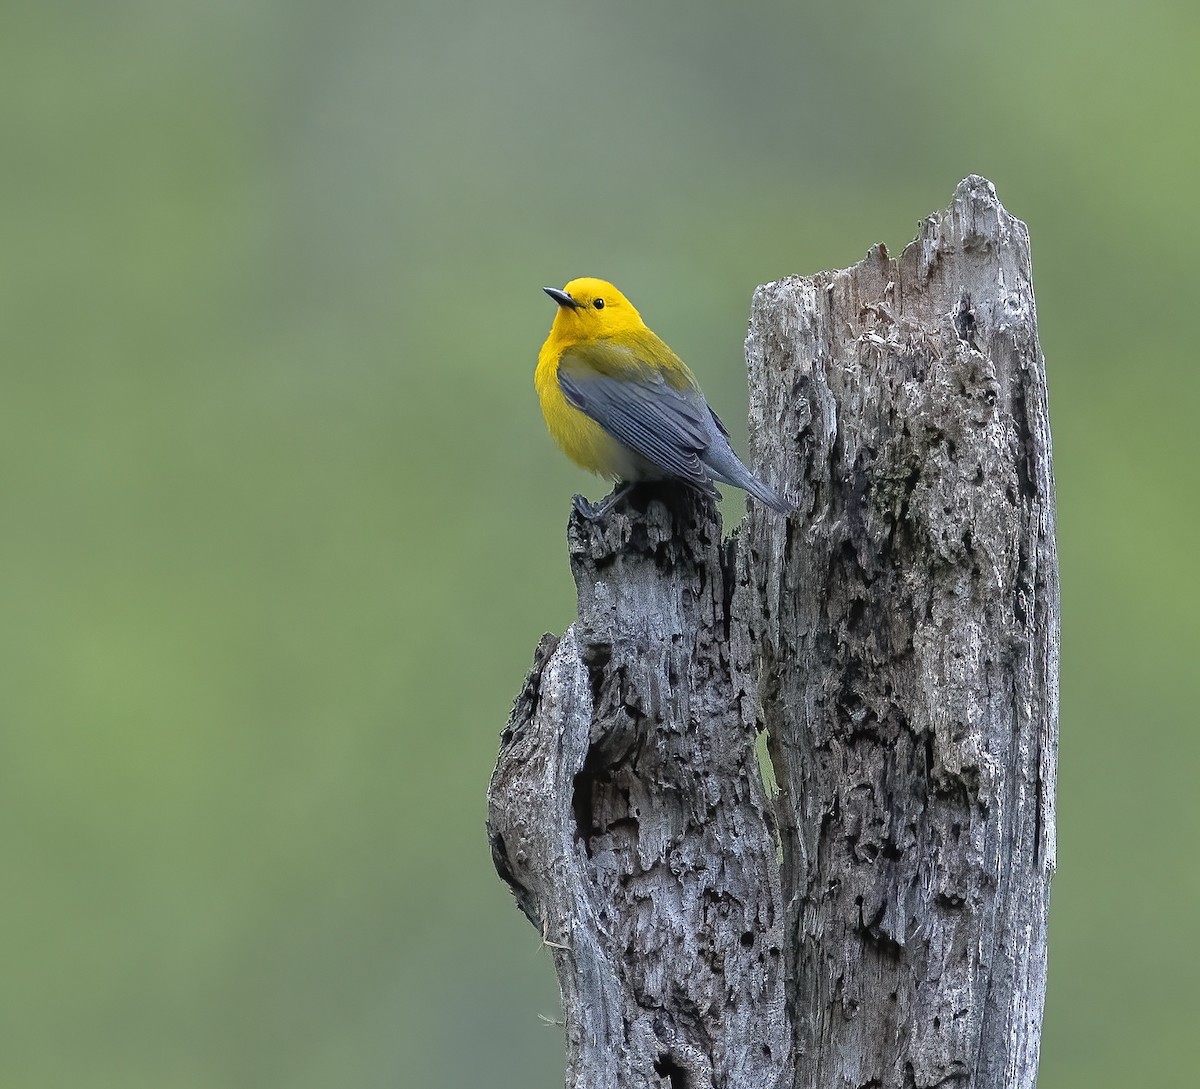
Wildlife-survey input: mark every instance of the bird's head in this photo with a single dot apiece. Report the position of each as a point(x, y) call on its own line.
point(588, 308)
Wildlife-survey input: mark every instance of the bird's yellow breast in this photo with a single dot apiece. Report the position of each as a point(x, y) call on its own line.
point(583, 440)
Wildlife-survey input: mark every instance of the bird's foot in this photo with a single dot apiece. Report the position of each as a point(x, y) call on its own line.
point(588, 511)
point(593, 512)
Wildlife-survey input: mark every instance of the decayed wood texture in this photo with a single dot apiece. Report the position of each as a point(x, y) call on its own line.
point(627, 815)
point(907, 623)
point(896, 637)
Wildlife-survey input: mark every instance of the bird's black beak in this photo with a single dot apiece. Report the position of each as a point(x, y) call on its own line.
point(561, 297)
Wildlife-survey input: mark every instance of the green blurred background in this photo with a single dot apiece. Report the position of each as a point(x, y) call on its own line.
point(282, 525)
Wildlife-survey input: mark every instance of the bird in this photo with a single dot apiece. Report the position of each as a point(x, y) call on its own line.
point(621, 404)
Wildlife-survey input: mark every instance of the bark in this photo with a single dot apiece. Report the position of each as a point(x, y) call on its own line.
point(882, 920)
point(628, 816)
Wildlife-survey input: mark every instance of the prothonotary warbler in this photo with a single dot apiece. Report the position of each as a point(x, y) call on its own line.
point(621, 404)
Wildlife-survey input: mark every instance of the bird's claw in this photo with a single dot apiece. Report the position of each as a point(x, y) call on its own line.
point(590, 512)
point(593, 512)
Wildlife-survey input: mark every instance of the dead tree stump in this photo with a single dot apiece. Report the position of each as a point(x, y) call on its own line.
point(881, 921)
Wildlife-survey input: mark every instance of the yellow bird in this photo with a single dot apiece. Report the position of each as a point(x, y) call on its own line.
point(621, 404)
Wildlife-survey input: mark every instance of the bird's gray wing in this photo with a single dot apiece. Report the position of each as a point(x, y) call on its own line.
point(635, 405)
point(720, 425)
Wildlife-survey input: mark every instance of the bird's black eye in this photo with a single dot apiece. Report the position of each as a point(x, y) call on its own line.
point(598, 304)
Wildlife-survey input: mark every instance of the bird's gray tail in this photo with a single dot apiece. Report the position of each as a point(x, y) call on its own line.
point(726, 467)
point(767, 494)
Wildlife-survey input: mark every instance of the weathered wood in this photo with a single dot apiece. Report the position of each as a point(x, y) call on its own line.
point(907, 626)
point(897, 638)
point(627, 815)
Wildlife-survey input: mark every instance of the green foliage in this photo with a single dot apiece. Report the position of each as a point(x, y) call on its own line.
point(282, 524)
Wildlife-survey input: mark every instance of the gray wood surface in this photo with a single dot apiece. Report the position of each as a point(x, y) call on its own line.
point(881, 921)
